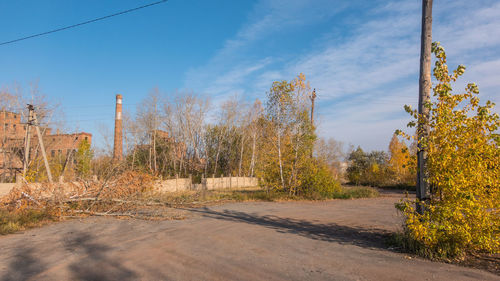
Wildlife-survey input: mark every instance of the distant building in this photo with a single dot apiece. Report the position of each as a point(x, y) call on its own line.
point(12, 144)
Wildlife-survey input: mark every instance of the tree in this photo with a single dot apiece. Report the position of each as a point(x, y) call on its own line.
point(148, 116)
point(227, 122)
point(399, 160)
point(185, 122)
point(255, 115)
point(463, 162)
point(83, 158)
point(331, 152)
point(279, 108)
point(289, 134)
point(368, 168)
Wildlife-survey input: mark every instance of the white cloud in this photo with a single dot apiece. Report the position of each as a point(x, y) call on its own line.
point(267, 18)
point(365, 69)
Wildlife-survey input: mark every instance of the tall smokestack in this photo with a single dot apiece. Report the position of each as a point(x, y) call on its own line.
point(118, 143)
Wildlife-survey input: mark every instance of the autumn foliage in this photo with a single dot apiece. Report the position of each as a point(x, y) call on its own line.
point(463, 170)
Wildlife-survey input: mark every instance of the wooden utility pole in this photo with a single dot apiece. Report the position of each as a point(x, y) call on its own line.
point(40, 140)
point(424, 97)
point(27, 141)
point(312, 97)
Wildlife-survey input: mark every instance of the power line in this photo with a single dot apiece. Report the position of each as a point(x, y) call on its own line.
point(82, 23)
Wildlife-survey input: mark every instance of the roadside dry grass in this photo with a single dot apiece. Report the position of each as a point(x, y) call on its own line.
point(205, 197)
point(11, 222)
point(153, 206)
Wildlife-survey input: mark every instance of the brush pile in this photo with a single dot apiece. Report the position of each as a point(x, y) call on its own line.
point(118, 194)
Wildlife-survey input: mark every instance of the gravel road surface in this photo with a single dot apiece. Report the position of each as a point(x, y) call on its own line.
point(333, 240)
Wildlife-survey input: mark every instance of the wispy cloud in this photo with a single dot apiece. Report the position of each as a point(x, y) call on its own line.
point(236, 60)
point(365, 68)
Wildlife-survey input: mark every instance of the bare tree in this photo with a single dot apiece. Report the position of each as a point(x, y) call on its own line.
point(227, 119)
point(332, 152)
point(148, 119)
point(254, 115)
point(184, 120)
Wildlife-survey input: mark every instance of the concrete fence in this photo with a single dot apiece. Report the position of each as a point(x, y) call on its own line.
point(182, 184)
point(229, 182)
point(171, 185)
point(5, 188)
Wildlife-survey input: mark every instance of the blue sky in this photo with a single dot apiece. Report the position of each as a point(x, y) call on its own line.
point(361, 56)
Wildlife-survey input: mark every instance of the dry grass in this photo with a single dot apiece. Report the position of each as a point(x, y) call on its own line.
point(128, 194)
point(11, 222)
point(253, 194)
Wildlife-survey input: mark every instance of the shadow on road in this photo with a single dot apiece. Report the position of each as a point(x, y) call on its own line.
point(330, 232)
point(23, 266)
point(94, 265)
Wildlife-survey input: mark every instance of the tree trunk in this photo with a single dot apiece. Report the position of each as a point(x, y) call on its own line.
point(154, 151)
point(150, 158)
point(279, 150)
point(217, 156)
point(252, 163)
point(293, 176)
point(133, 156)
point(241, 155)
point(423, 98)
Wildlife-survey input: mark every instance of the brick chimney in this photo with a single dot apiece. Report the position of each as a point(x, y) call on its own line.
point(118, 143)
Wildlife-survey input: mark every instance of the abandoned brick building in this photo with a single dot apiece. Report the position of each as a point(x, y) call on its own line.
point(12, 144)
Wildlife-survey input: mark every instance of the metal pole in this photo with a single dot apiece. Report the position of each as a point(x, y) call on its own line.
point(424, 97)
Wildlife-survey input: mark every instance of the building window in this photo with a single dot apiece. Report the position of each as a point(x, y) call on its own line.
point(86, 138)
point(14, 127)
point(53, 153)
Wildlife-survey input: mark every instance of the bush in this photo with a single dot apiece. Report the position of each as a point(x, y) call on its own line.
point(317, 180)
point(463, 170)
point(11, 222)
point(368, 168)
point(356, 192)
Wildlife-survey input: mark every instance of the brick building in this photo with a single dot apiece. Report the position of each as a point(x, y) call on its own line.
point(12, 142)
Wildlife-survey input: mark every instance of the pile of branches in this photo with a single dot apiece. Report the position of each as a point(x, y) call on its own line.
point(122, 193)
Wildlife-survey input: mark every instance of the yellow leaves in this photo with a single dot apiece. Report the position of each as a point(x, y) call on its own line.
point(463, 168)
point(400, 160)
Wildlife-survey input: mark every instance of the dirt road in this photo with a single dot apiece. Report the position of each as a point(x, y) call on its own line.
point(335, 240)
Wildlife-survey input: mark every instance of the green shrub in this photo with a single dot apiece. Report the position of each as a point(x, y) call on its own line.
point(316, 181)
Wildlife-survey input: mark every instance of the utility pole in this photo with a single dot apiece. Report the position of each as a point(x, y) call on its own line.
point(424, 98)
point(28, 139)
point(312, 97)
point(40, 140)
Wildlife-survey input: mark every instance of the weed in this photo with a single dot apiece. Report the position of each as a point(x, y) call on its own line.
point(11, 222)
